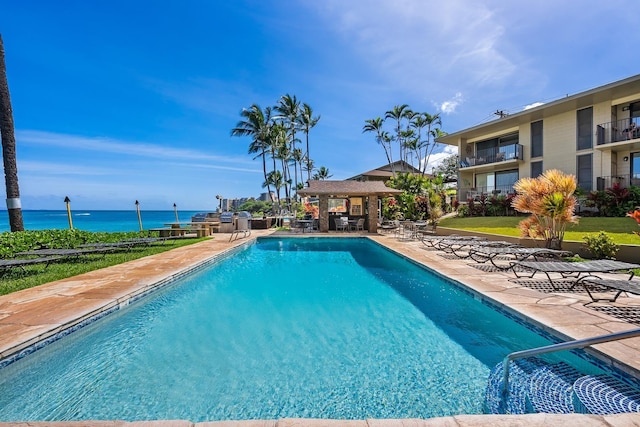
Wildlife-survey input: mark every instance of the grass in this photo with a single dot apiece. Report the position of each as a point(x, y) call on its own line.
point(619, 229)
point(35, 275)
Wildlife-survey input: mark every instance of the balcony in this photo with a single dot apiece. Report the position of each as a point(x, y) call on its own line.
point(479, 193)
point(492, 156)
point(623, 131)
point(604, 182)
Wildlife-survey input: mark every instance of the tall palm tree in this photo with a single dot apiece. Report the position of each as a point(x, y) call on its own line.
point(398, 113)
point(382, 137)
point(289, 109)
point(419, 122)
point(307, 121)
point(7, 134)
point(433, 124)
point(256, 124)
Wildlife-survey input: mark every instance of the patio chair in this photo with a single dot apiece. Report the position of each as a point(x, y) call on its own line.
point(572, 269)
point(482, 254)
point(358, 226)
point(342, 223)
point(388, 226)
point(608, 284)
point(432, 240)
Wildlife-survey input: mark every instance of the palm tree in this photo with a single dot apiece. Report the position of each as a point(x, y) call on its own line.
point(382, 137)
point(274, 178)
point(289, 109)
point(419, 122)
point(307, 121)
point(9, 149)
point(256, 124)
point(433, 130)
point(322, 174)
point(398, 113)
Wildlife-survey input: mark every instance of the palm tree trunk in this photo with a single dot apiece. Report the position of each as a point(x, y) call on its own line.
point(9, 149)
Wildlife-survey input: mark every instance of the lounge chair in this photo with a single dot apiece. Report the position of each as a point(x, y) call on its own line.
point(572, 269)
point(7, 265)
point(615, 285)
point(65, 253)
point(462, 248)
point(432, 240)
point(482, 254)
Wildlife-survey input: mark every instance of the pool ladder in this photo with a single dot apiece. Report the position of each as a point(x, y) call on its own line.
point(567, 388)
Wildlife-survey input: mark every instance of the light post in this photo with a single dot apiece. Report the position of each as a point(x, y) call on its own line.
point(67, 201)
point(175, 210)
point(139, 217)
point(219, 197)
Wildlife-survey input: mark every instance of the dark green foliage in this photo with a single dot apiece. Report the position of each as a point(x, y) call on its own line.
point(11, 243)
point(615, 201)
point(601, 245)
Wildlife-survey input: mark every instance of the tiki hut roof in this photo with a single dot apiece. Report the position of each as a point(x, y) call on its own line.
point(348, 188)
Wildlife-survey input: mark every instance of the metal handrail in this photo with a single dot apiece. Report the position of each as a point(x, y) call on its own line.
point(568, 345)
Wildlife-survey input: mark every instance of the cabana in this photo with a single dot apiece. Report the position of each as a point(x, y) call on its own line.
point(354, 199)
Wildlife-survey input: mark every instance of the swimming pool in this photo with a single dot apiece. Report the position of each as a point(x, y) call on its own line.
point(314, 327)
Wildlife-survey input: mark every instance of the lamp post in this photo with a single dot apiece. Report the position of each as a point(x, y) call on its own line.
point(219, 197)
point(175, 210)
point(139, 217)
point(67, 201)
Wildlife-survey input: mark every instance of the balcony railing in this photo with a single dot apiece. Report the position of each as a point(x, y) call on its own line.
point(477, 193)
point(604, 182)
point(620, 130)
point(494, 155)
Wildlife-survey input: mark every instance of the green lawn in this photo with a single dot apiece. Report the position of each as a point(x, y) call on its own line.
point(619, 229)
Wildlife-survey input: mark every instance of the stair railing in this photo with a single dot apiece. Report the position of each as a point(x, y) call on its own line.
point(568, 345)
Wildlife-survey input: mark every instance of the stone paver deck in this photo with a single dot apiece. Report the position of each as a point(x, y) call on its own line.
point(32, 315)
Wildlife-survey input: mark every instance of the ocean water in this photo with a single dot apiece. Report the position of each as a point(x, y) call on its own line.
point(95, 220)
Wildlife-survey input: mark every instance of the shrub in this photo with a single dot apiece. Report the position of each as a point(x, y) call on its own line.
point(601, 246)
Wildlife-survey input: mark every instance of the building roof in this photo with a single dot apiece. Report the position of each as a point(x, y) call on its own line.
point(616, 92)
point(385, 170)
point(347, 188)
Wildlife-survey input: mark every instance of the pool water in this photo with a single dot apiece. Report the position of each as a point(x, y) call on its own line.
point(316, 328)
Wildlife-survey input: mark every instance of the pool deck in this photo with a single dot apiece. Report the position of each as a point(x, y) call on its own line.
point(33, 315)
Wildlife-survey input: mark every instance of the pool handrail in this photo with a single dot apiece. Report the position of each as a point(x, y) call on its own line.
point(567, 345)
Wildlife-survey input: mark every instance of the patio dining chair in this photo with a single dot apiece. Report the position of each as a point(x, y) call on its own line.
point(342, 223)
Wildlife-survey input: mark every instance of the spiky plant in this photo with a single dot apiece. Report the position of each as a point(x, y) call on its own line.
point(550, 201)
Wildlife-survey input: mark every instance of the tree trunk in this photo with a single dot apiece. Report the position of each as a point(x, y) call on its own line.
point(9, 149)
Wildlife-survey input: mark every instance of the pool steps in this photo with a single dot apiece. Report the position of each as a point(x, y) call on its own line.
point(536, 386)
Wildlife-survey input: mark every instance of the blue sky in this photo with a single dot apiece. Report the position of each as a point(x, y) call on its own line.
point(123, 100)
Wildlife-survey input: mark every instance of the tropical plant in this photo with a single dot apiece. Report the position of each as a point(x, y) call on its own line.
point(256, 124)
point(307, 121)
point(398, 113)
point(382, 137)
point(550, 201)
point(635, 215)
point(322, 173)
point(601, 246)
point(7, 134)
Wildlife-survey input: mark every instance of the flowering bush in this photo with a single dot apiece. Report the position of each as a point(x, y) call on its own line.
point(312, 210)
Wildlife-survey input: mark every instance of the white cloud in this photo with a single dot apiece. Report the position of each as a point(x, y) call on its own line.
point(448, 107)
point(420, 44)
point(436, 159)
point(124, 148)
